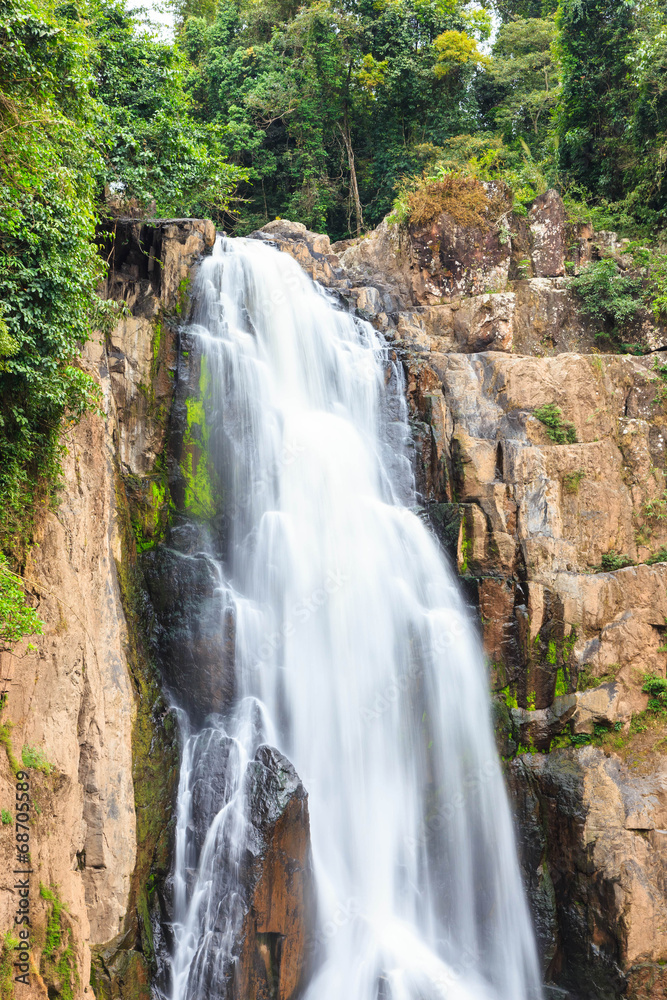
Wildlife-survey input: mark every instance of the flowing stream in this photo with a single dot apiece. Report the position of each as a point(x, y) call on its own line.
point(354, 656)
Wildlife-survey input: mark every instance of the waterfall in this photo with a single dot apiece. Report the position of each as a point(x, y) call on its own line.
point(354, 657)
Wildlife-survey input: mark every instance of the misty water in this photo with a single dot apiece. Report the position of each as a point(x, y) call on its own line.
point(354, 656)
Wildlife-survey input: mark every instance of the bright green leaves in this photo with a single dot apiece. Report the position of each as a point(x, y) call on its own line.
point(327, 101)
point(524, 80)
point(17, 618)
point(455, 49)
point(158, 153)
point(49, 266)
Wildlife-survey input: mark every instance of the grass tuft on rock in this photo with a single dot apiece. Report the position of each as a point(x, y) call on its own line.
point(559, 430)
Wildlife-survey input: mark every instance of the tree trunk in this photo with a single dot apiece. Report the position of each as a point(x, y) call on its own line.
point(354, 188)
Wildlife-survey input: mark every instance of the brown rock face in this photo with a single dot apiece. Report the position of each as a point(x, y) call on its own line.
point(274, 959)
point(149, 270)
point(267, 894)
point(71, 697)
point(547, 224)
point(454, 260)
point(592, 839)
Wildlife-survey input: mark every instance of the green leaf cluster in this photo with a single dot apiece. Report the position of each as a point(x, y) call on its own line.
point(656, 687)
point(328, 105)
point(559, 430)
point(17, 618)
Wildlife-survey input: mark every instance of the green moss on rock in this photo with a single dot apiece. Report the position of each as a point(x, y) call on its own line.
point(201, 495)
point(58, 966)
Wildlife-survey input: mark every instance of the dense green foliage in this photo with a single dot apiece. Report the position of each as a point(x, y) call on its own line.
point(154, 150)
point(86, 100)
point(48, 265)
point(17, 618)
point(329, 105)
point(617, 291)
point(656, 687)
point(329, 112)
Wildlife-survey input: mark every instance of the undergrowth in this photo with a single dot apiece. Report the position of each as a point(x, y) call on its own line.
point(613, 560)
point(559, 430)
point(17, 618)
point(35, 758)
point(459, 195)
point(619, 289)
point(572, 481)
point(58, 962)
point(7, 966)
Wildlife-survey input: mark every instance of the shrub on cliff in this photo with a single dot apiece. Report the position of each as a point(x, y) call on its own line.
point(461, 196)
point(559, 430)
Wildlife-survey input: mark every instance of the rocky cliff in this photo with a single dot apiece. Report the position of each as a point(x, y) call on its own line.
point(554, 519)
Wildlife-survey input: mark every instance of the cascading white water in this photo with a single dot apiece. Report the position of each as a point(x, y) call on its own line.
point(353, 656)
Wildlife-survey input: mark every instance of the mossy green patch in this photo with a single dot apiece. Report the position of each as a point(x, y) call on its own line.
point(149, 501)
point(158, 334)
point(201, 496)
point(183, 295)
point(509, 697)
point(35, 758)
point(586, 680)
point(58, 962)
point(9, 943)
point(572, 481)
point(558, 430)
point(6, 741)
point(465, 547)
point(561, 683)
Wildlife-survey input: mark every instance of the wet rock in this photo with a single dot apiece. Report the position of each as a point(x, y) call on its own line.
point(211, 783)
point(272, 910)
point(311, 250)
point(150, 266)
point(274, 957)
point(192, 629)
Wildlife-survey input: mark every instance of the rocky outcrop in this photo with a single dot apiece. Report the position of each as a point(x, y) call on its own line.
point(311, 250)
point(149, 272)
point(274, 959)
point(70, 699)
point(261, 885)
point(592, 833)
point(536, 520)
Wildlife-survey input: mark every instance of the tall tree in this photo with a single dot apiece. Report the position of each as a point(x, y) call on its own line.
point(595, 43)
point(523, 77)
